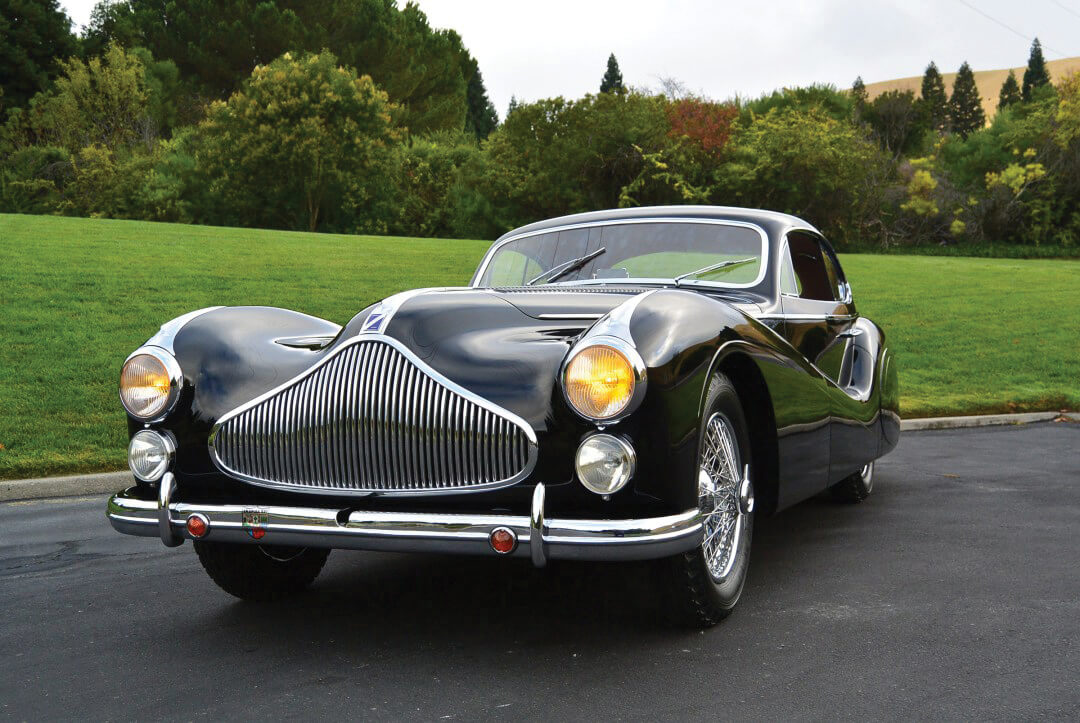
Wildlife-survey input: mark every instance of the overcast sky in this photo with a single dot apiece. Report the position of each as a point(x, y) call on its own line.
point(717, 49)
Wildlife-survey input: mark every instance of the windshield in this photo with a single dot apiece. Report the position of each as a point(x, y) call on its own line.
point(657, 251)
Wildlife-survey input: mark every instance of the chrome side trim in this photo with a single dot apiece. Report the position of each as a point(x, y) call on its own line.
point(486, 261)
point(560, 317)
point(549, 538)
point(806, 317)
point(167, 333)
point(441, 408)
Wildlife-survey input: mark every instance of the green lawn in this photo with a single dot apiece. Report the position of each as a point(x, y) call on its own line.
point(76, 296)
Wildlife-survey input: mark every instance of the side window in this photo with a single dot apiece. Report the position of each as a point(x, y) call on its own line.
point(836, 274)
point(811, 273)
point(788, 283)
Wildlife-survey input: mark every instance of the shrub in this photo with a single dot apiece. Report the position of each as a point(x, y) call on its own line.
point(304, 144)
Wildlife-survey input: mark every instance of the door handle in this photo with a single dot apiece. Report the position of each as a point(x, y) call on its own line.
point(850, 333)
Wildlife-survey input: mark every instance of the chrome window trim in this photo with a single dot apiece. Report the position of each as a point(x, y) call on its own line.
point(486, 261)
point(176, 382)
point(425, 368)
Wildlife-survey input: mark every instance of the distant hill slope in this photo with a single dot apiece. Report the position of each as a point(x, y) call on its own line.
point(988, 81)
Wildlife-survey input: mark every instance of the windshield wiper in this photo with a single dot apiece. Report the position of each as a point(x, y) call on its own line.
point(557, 272)
point(714, 267)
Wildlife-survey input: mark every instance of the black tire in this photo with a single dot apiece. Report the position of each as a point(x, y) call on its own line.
point(856, 487)
point(694, 597)
point(260, 573)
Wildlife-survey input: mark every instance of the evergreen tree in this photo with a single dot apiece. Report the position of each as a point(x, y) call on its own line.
point(965, 106)
point(1010, 92)
point(612, 81)
point(513, 106)
point(481, 117)
point(1036, 73)
point(934, 100)
point(858, 98)
point(34, 36)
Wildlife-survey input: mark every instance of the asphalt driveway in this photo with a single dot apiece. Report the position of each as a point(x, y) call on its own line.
point(954, 592)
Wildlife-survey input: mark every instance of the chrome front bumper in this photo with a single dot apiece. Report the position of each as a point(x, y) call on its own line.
point(538, 538)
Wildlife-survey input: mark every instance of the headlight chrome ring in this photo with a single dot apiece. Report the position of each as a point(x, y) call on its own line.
point(150, 454)
point(150, 383)
point(605, 463)
point(577, 398)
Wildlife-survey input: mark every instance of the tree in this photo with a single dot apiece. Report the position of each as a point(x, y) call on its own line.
point(897, 121)
point(965, 106)
point(612, 82)
point(806, 163)
point(100, 102)
point(217, 43)
point(34, 36)
point(302, 145)
point(1036, 74)
point(1010, 92)
point(858, 98)
point(933, 99)
point(481, 118)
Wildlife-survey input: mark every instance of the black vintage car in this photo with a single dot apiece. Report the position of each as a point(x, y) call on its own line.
point(622, 385)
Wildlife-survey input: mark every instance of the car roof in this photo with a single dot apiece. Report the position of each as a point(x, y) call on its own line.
point(774, 222)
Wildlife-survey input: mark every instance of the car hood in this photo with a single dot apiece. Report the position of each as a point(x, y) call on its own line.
point(505, 345)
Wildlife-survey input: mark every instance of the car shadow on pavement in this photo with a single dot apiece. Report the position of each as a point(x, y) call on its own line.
point(408, 600)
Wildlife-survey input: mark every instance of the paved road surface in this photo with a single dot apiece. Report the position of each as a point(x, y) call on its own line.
point(954, 592)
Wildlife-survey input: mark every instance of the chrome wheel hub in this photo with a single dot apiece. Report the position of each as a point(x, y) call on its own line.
point(725, 496)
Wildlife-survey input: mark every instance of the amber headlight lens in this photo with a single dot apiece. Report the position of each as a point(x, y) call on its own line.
point(149, 383)
point(599, 381)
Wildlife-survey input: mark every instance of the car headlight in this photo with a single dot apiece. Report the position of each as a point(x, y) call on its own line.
point(602, 378)
point(604, 463)
point(150, 454)
point(150, 383)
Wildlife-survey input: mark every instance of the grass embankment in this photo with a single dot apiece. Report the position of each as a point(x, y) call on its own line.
point(77, 295)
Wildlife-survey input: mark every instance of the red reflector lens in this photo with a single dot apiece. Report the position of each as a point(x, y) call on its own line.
point(503, 540)
point(197, 526)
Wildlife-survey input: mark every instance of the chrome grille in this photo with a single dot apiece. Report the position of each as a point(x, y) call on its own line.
point(373, 418)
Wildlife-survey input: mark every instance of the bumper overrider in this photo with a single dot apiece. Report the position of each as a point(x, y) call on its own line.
point(535, 537)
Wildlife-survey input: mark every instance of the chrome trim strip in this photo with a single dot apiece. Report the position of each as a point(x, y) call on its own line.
point(806, 317)
point(386, 453)
point(549, 538)
point(561, 317)
point(165, 336)
point(482, 269)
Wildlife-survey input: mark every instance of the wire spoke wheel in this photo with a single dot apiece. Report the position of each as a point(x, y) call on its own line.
point(722, 497)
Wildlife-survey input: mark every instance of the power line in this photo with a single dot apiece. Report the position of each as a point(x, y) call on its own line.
point(1066, 8)
point(1011, 29)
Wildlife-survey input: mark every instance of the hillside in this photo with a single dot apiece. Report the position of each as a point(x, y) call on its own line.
point(988, 81)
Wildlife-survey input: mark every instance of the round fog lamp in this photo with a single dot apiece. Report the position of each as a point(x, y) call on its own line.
point(149, 455)
point(604, 463)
